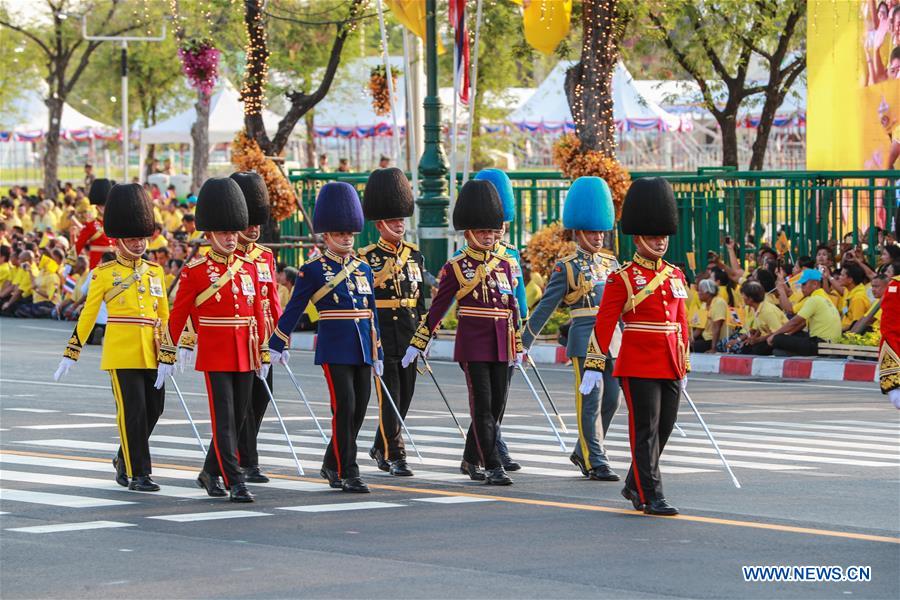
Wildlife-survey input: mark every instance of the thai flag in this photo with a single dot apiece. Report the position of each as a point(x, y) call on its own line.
point(458, 21)
point(69, 284)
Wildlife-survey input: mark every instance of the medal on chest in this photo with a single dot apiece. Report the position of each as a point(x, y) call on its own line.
point(247, 287)
point(263, 272)
point(362, 284)
point(502, 283)
point(678, 288)
point(415, 274)
point(156, 288)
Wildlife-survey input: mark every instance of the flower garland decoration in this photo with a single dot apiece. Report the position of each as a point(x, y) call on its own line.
point(546, 247)
point(378, 87)
point(200, 64)
point(246, 155)
point(574, 162)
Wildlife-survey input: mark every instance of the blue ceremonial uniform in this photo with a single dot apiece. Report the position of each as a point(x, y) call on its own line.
point(346, 312)
point(577, 283)
point(348, 343)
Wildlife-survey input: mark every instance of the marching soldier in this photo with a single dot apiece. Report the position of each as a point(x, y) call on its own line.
point(257, 197)
point(648, 295)
point(397, 268)
point(221, 294)
point(488, 334)
point(889, 357)
point(348, 347)
point(134, 292)
point(504, 248)
point(92, 235)
point(577, 282)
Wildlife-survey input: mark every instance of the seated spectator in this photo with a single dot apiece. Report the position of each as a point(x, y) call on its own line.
point(21, 291)
point(872, 320)
point(6, 269)
point(158, 240)
point(815, 322)
point(855, 301)
point(716, 328)
point(763, 318)
point(45, 288)
point(533, 290)
point(72, 296)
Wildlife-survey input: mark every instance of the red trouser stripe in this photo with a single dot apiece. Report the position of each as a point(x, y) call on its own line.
point(215, 438)
point(626, 388)
point(334, 441)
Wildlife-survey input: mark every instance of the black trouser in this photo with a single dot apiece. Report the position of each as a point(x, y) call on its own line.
point(758, 349)
point(138, 407)
point(488, 383)
point(229, 396)
point(701, 345)
point(401, 383)
point(799, 343)
point(259, 401)
point(349, 387)
point(652, 410)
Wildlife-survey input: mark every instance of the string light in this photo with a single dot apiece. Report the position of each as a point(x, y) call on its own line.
point(257, 62)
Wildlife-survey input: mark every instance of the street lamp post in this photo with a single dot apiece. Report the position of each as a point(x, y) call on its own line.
point(433, 169)
point(124, 39)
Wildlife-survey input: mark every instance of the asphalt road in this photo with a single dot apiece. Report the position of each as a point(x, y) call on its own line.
point(819, 467)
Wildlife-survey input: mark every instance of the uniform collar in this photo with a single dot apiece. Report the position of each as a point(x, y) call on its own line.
point(585, 254)
point(341, 260)
point(474, 254)
point(245, 248)
point(388, 246)
point(128, 262)
point(653, 265)
point(220, 258)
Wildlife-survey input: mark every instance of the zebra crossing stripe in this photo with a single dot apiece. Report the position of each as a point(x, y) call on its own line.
point(341, 506)
point(211, 516)
point(63, 527)
point(64, 500)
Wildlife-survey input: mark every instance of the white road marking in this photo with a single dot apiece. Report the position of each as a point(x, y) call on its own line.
point(57, 499)
point(32, 410)
point(71, 527)
point(452, 500)
point(211, 516)
point(107, 485)
point(343, 506)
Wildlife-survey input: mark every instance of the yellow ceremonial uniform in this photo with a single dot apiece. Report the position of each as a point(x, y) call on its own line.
point(138, 311)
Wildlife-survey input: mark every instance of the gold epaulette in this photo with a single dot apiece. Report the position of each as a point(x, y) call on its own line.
point(153, 264)
point(244, 258)
point(197, 261)
point(607, 252)
point(895, 278)
point(366, 249)
point(264, 248)
point(568, 258)
point(412, 246)
point(106, 265)
point(457, 258)
point(623, 267)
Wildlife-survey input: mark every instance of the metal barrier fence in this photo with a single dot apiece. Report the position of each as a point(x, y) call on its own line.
point(750, 207)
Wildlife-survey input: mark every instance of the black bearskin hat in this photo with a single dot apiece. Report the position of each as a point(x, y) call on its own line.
point(478, 207)
point(221, 206)
point(256, 195)
point(388, 195)
point(128, 212)
point(99, 191)
point(649, 208)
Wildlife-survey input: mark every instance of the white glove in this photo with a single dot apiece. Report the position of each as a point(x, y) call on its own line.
point(412, 353)
point(379, 367)
point(163, 371)
point(263, 371)
point(185, 358)
point(66, 270)
point(63, 369)
point(520, 358)
point(683, 383)
point(589, 381)
point(279, 357)
point(894, 397)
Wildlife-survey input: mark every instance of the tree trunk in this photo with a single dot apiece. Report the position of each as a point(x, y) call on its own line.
point(728, 125)
point(200, 137)
point(763, 130)
point(588, 84)
point(309, 120)
point(51, 146)
point(148, 161)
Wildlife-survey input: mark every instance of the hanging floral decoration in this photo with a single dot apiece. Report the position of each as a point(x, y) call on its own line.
point(247, 156)
point(546, 247)
point(200, 64)
point(574, 162)
point(378, 87)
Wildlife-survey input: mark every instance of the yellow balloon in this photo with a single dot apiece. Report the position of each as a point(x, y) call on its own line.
point(546, 23)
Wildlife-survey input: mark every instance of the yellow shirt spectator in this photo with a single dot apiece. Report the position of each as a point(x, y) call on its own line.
point(533, 293)
point(854, 305)
point(23, 279)
point(765, 320)
point(718, 311)
point(822, 318)
point(6, 272)
point(46, 288)
point(157, 242)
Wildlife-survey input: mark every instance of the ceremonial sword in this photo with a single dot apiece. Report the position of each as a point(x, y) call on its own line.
point(709, 434)
point(397, 412)
point(547, 392)
point(305, 401)
point(441, 392)
point(562, 444)
point(283, 426)
point(188, 413)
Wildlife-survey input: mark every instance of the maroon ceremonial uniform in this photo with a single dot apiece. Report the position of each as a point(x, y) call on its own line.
point(649, 298)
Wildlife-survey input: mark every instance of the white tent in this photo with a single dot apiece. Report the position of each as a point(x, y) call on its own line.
point(547, 110)
point(28, 119)
point(226, 118)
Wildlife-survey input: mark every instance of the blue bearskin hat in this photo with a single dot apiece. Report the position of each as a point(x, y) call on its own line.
point(649, 208)
point(221, 206)
point(504, 189)
point(588, 205)
point(99, 191)
point(337, 209)
point(478, 207)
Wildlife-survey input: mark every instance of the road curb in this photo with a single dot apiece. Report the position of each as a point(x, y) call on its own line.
point(814, 369)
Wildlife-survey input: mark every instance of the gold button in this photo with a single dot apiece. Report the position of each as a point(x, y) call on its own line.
point(395, 317)
point(664, 292)
point(141, 306)
point(357, 320)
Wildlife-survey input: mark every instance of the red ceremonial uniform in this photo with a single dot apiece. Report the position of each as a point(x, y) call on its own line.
point(889, 357)
point(96, 242)
point(228, 319)
point(264, 260)
point(649, 297)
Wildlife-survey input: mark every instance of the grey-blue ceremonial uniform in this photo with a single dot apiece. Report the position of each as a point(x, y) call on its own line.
point(577, 283)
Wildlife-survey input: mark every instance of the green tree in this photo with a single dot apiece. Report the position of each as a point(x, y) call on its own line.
point(714, 43)
point(56, 32)
point(20, 64)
